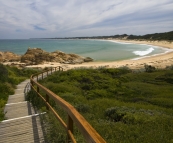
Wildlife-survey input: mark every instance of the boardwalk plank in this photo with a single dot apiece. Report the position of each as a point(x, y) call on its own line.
point(21, 126)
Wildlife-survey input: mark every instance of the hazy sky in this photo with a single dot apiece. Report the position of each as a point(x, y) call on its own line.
point(68, 18)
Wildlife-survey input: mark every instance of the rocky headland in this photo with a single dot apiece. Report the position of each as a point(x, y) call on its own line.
point(35, 56)
point(9, 57)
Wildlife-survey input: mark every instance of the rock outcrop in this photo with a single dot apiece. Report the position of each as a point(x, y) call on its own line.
point(9, 57)
point(36, 56)
point(88, 59)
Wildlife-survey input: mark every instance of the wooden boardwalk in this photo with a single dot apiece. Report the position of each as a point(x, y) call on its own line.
point(22, 124)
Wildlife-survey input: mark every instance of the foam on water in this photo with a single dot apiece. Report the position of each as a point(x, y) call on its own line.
point(143, 53)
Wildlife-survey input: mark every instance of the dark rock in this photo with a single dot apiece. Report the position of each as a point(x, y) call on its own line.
point(88, 59)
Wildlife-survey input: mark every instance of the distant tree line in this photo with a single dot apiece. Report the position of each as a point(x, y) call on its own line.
point(155, 36)
point(168, 36)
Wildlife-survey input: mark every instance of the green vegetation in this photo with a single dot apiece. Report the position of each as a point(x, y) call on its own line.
point(9, 77)
point(121, 105)
point(155, 36)
point(168, 36)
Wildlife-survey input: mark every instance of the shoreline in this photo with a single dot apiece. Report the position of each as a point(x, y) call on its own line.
point(166, 48)
point(159, 61)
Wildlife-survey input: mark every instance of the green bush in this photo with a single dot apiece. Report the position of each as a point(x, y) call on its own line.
point(122, 106)
point(114, 114)
point(84, 108)
point(3, 73)
point(149, 68)
point(169, 67)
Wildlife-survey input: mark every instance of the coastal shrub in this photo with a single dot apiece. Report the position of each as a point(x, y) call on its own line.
point(31, 95)
point(122, 106)
point(2, 103)
point(149, 68)
point(162, 101)
point(54, 132)
point(114, 114)
point(98, 93)
point(167, 76)
point(15, 80)
point(116, 72)
point(24, 72)
point(131, 115)
point(2, 115)
point(62, 88)
point(83, 108)
point(3, 73)
point(169, 67)
point(6, 89)
point(35, 99)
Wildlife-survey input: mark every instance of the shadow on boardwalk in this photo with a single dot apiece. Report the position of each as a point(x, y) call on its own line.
point(22, 122)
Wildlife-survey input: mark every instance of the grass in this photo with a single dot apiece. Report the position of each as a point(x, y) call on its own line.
point(122, 106)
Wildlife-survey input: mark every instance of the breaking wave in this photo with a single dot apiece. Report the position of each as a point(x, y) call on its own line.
point(143, 53)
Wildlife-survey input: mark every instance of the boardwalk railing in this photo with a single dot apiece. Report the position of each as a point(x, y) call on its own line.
point(88, 132)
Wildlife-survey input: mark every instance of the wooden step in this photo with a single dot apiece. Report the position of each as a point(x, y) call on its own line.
point(15, 110)
point(24, 130)
point(16, 98)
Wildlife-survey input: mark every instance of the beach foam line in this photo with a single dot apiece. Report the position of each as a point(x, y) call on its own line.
point(143, 53)
point(168, 51)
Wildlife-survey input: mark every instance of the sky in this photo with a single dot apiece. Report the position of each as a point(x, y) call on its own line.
point(23, 19)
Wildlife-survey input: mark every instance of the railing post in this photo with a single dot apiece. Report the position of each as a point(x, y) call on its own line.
point(31, 82)
point(51, 70)
point(70, 128)
point(42, 76)
point(47, 100)
point(38, 89)
point(55, 68)
point(37, 77)
point(47, 73)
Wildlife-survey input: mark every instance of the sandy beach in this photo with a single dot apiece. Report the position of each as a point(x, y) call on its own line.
point(158, 61)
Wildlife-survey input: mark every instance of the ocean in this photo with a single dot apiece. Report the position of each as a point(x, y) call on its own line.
point(99, 50)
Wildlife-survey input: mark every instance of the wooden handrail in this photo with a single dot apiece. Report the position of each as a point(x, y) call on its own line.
point(89, 133)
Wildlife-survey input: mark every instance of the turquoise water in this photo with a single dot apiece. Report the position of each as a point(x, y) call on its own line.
point(99, 50)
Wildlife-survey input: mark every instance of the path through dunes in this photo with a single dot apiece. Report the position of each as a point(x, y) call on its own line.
point(22, 122)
